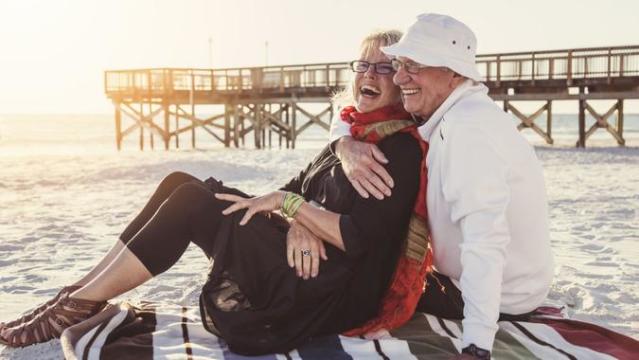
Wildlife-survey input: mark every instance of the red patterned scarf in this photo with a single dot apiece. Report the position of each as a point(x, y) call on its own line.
point(408, 282)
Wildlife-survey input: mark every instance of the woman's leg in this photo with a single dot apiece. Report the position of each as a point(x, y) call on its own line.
point(106, 260)
point(164, 189)
point(124, 273)
point(190, 214)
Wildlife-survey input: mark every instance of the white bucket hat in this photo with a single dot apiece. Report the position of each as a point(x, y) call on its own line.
point(439, 40)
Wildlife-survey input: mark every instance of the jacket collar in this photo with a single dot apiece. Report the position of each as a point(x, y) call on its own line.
point(464, 90)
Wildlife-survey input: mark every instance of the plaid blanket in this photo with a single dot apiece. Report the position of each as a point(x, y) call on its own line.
point(157, 331)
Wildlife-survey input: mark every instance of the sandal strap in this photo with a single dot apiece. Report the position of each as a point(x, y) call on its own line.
point(33, 313)
point(53, 321)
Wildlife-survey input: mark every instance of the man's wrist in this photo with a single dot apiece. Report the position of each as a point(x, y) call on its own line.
point(339, 144)
point(476, 352)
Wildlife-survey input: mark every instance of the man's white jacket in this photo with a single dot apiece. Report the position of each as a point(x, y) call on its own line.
point(487, 210)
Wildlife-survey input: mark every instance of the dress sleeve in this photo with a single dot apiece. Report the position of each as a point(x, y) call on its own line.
point(372, 221)
point(475, 184)
point(295, 184)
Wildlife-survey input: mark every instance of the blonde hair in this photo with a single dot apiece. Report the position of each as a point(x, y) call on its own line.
point(377, 39)
point(371, 43)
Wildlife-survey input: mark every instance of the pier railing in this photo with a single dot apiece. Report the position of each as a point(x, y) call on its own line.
point(567, 66)
point(165, 81)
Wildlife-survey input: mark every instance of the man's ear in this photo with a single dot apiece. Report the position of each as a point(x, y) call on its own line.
point(456, 80)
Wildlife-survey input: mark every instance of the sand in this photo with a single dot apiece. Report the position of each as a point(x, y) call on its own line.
point(61, 211)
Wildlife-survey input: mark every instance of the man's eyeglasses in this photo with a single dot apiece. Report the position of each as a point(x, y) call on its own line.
point(381, 68)
point(411, 68)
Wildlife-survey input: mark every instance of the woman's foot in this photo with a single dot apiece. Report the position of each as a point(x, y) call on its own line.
point(50, 323)
point(33, 313)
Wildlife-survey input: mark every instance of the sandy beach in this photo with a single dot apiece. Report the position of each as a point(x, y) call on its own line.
point(62, 208)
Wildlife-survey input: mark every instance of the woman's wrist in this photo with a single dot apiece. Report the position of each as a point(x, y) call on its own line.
point(281, 195)
point(291, 203)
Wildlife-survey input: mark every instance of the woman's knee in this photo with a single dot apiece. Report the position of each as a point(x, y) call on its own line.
point(192, 193)
point(175, 179)
point(195, 205)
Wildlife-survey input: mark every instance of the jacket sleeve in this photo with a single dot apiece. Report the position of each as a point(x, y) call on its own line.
point(339, 128)
point(372, 221)
point(475, 184)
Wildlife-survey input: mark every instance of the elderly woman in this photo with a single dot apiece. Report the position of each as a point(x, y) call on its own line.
point(264, 292)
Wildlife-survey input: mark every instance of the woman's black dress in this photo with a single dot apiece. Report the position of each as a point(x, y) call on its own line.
point(258, 304)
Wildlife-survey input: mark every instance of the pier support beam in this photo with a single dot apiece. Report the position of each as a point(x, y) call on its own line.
point(118, 126)
point(581, 142)
point(601, 122)
point(192, 118)
point(257, 125)
point(313, 119)
point(227, 125)
point(151, 137)
point(263, 118)
point(177, 126)
point(529, 121)
point(293, 124)
point(167, 130)
point(236, 125)
point(141, 119)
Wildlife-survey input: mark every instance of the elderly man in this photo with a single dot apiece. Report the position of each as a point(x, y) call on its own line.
point(485, 196)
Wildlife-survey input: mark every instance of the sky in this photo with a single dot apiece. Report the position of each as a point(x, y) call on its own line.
point(53, 52)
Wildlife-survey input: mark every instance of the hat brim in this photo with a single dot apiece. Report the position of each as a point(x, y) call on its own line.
point(432, 59)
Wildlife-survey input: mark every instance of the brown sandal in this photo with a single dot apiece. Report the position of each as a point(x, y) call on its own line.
point(33, 313)
point(51, 322)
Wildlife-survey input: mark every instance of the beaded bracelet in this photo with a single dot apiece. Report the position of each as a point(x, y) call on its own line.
point(291, 204)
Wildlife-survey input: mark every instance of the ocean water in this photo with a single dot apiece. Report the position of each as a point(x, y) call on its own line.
point(23, 135)
point(90, 133)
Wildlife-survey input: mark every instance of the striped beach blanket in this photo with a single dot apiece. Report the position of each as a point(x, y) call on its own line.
point(160, 331)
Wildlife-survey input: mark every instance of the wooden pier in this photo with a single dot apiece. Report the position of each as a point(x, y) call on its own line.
point(273, 100)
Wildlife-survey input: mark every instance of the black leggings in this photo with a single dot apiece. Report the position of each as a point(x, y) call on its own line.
point(183, 209)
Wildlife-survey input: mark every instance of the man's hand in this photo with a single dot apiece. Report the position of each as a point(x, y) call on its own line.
point(299, 240)
point(361, 164)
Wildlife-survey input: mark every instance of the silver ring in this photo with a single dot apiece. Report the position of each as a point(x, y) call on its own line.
point(306, 252)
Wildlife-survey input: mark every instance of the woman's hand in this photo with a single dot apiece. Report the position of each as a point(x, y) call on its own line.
point(299, 240)
point(361, 164)
point(262, 204)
